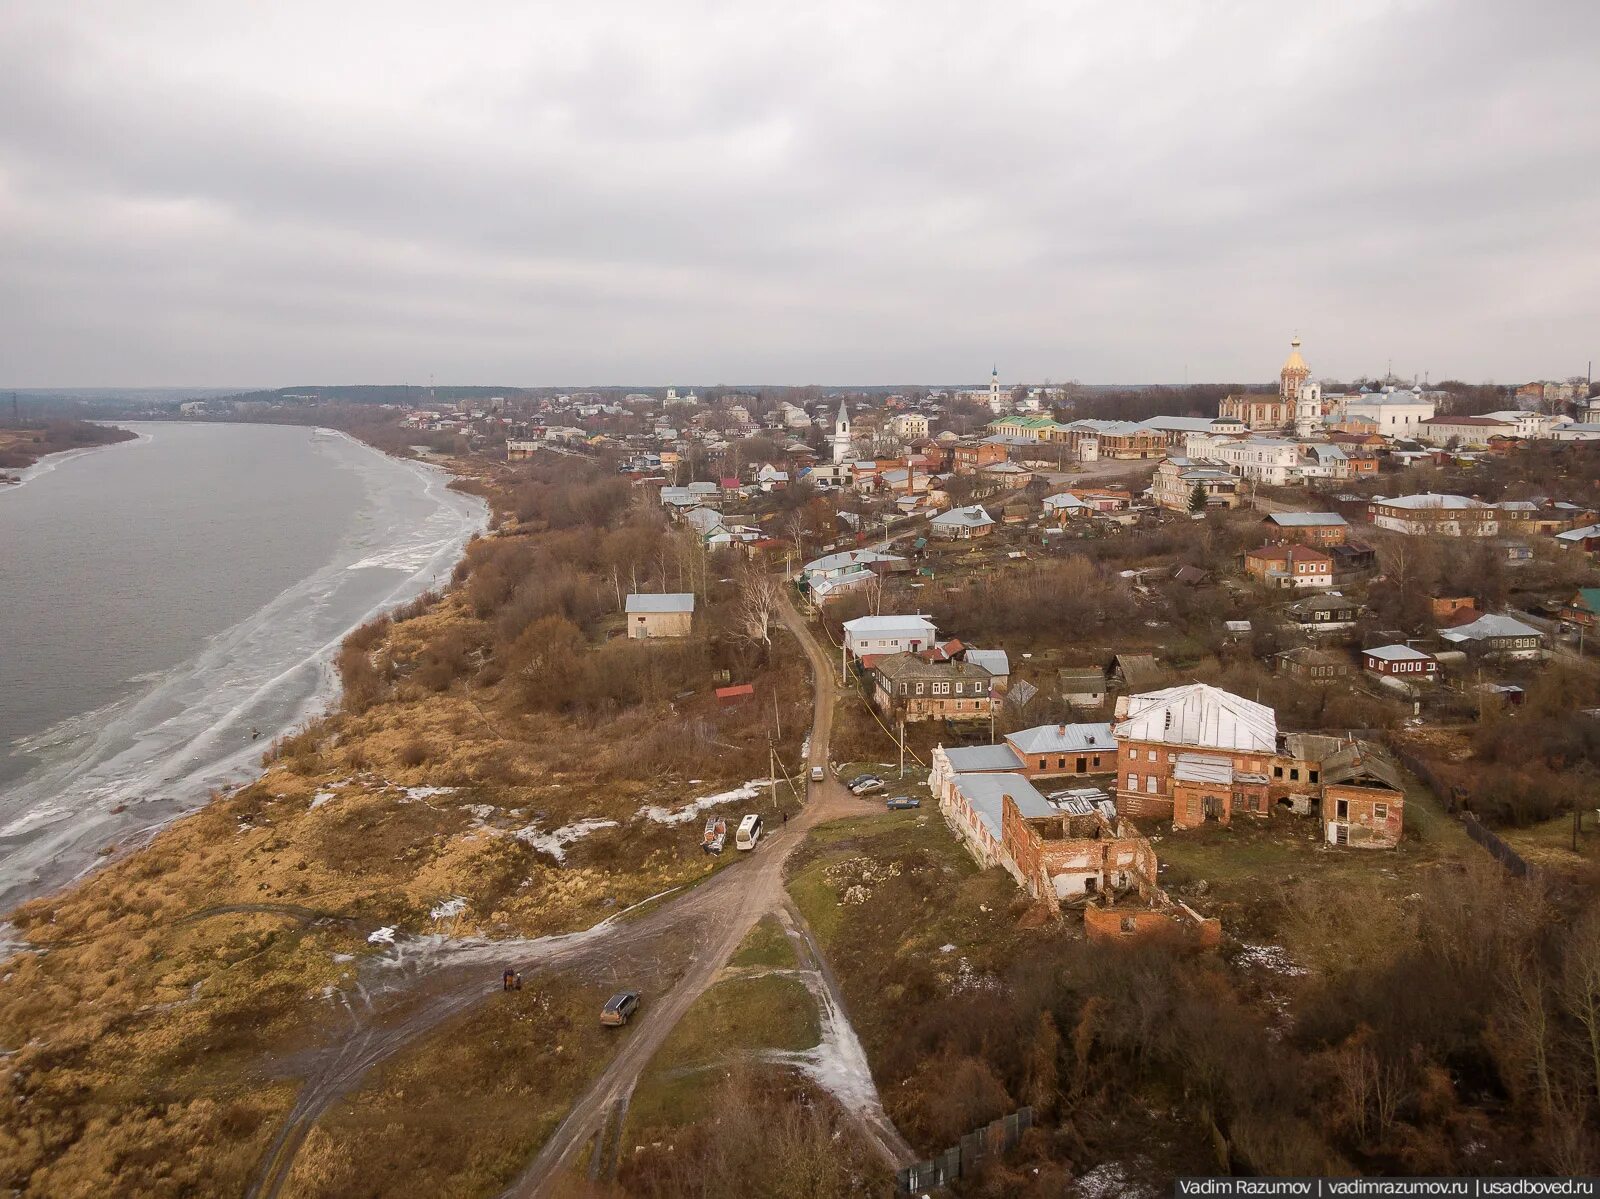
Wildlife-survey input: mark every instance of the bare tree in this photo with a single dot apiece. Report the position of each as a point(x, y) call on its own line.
point(1580, 984)
point(760, 595)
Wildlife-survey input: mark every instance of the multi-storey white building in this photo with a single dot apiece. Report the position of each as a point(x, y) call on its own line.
point(1395, 413)
point(1260, 459)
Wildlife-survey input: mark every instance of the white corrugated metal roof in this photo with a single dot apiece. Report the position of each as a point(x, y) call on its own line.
point(1202, 715)
point(1397, 653)
point(884, 626)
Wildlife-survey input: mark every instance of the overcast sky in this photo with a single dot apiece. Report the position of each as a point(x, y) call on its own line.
point(659, 192)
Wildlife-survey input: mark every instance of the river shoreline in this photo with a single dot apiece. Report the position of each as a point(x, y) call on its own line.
point(200, 729)
point(16, 473)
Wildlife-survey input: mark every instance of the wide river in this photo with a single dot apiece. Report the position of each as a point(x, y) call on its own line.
point(169, 605)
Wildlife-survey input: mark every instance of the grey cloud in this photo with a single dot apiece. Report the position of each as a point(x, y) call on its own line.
point(834, 193)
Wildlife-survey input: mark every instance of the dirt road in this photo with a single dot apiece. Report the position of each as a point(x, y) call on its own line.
point(691, 936)
point(760, 890)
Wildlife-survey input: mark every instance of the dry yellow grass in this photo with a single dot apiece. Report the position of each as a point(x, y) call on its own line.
point(137, 1023)
point(462, 1112)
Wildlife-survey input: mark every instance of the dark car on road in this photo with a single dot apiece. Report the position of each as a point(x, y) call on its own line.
point(620, 1008)
point(900, 802)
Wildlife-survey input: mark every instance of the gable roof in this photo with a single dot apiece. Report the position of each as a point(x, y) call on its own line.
point(672, 601)
point(985, 793)
point(887, 626)
point(979, 759)
point(1360, 763)
point(1304, 520)
point(995, 661)
point(1062, 738)
point(1137, 670)
point(1201, 715)
point(1082, 680)
point(1397, 653)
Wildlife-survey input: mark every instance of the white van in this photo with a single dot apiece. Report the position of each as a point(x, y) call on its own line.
point(749, 832)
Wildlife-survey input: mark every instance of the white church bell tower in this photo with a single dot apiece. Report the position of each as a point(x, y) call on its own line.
point(841, 436)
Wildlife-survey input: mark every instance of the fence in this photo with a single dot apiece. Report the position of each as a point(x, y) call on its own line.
point(1458, 799)
point(1455, 797)
point(1502, 853)
point(964, 1158)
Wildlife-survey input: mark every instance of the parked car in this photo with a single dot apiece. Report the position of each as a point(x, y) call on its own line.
point(817, 774)
point(852, 784)
point(619, 1008)
point(866, 784)
point(900, 802)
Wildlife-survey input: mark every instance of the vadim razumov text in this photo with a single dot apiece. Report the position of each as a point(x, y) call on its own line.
point(1334, 1188)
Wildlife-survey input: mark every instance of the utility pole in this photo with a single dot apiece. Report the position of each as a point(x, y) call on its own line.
point(902, 745)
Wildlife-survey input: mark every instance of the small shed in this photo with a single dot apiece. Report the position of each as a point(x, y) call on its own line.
point(1083, 686)
point(652, 616)
point(729, 697)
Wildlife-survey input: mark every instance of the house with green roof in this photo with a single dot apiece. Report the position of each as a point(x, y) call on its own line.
point(1583, 608)
point(1025, 428)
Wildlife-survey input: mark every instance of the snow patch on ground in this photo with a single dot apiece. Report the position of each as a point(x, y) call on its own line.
point(1111, 1180)
point(1271, 958)
point(449, 909)
point(320, 798)
point(381, 936)
point(414, 794)
point(692, 809)
point(555, 842)
point(838, 1063)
